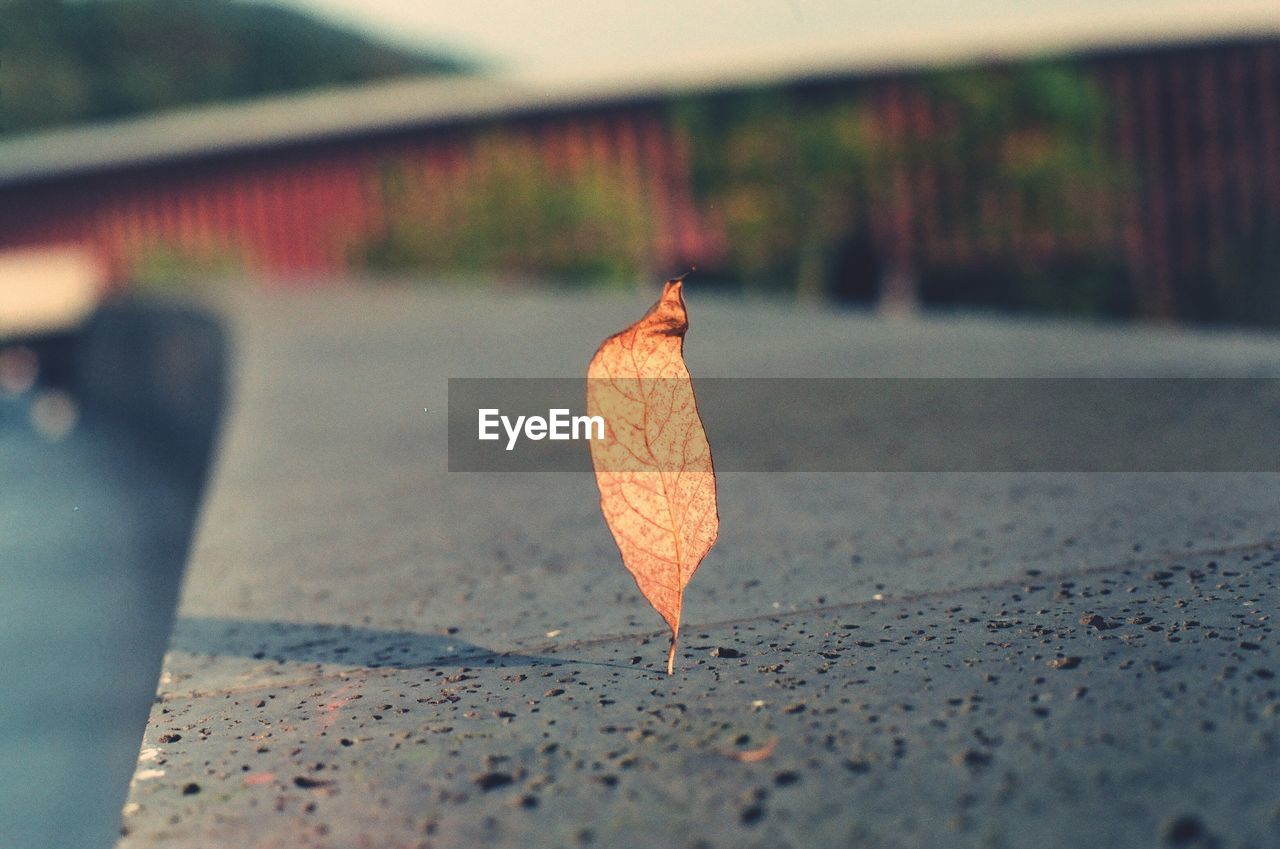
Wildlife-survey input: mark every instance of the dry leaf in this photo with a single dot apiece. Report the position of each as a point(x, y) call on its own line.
point(657, 484)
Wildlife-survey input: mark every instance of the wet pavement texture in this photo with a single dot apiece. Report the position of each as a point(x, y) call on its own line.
point(371, 651)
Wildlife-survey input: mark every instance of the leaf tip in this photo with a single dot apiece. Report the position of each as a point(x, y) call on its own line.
point(675, 285)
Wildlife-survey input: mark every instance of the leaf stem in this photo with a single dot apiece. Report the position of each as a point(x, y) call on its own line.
point(671, 656)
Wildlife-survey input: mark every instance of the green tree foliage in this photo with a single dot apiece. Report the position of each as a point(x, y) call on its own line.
point(509, 213)
point(1031, 133)
point(1024, 144)
point(782, 177)
point(64, 62)
point(792, 175)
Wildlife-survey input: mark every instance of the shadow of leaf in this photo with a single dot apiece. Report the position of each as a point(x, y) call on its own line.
point(346, 645)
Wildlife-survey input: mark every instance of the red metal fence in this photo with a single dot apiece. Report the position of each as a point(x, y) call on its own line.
point(296, 214)
point(1198, 126)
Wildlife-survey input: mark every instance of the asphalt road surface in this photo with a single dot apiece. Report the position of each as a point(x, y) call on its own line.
point(372, 651)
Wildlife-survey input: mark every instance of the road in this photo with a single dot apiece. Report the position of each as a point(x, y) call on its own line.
point(371, 651)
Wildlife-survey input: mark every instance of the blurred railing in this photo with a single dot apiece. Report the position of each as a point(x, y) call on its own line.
point(1140, 181)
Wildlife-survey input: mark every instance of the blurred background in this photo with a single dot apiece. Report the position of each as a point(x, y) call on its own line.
point(1114, 159)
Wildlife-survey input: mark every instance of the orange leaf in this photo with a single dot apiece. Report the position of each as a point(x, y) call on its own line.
point(657, 484)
